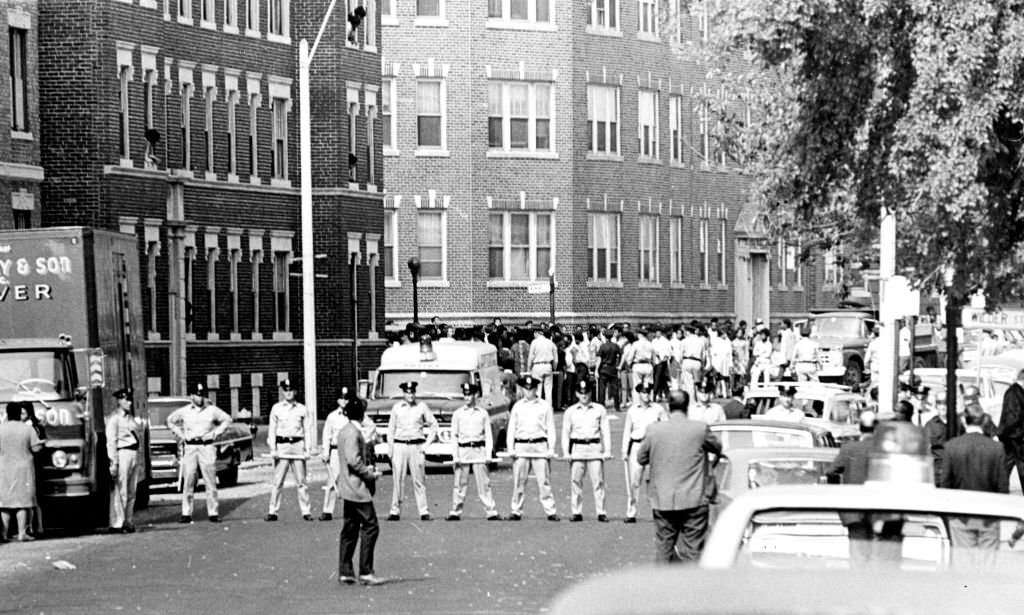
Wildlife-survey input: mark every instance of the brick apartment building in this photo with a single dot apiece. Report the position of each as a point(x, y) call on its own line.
point(20, 170)
point(526, 135)
point(214, 201)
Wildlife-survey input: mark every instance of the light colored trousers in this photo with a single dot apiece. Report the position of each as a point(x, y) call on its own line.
point(542, 472)
point(122, 500)
point(642, 372)
point(634, 479)
point(483, 487)
point(408, 458)
point(690, 375)
point(331, 485)
point(806, 372)
point(199, 458)
point(543, 372)
point(595, 468)
point(298, 467)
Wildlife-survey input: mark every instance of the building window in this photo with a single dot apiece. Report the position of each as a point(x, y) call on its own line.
point(603, 119)
point(152, 251)
point(148, 87)
point(277, 17)
point(520, 245)
point(430, 238)
point(675, 249)
point(19, 78)
point(252, 15)
point(705, 134)
point(675, 126)
point(722, 269)
point(231, 14)
point(429, 114)
point(211, 94)
point(254, 106)
point(647, 18)
point(387, 8)
point(281, 299)
point(190, 314)
point(603, 15)
point(388, 255)
point(232, 132)
point(705, 255)
point(212, 253)
point(603, 244)
point(371, 120)
point(387, 114)
point(368, 25)
point(185, 9)
point(125, 77)
point(833, 269)
point(648, 242)
point(186, 121)
point(206, 11)
point(22, 218)
point(647, 130)
point(519, 116)
point(279, 153)
point(234, 258)
point(353, 158)
point(428, 8)
point(538, 11)
point(256, 256)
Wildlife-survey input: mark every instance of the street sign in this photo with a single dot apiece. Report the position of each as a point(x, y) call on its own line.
point(539, 288)
point(977, 318)
point(898, 299)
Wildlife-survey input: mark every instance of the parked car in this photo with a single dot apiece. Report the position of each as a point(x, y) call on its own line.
point(233, 446)
point(760, 433)
point(831, 406)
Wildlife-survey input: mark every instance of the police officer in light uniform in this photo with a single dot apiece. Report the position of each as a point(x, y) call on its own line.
point(290, 436)
point(124, 433)
point(329, 448)
point(531, 442)
point(474, 443)
point(805, 357)
point(587, 441)
point(643, 357)
point(197, 425)
point(411, 429)
point(641, 413)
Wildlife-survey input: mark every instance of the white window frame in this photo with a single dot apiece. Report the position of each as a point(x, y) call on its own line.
point(704, 249)
point(255, 258)
point(723, 271)
point(531, 150)
point(207, 14)
point(676, 244)
point(677, 134)
point(252, 18)
point(390, 240)
point(533, 244)
point(388, 17)
point(234, 258)
point(232, 134)
point(389, 88)
point(647, 29)
point(370, 104)
point(187, 90)
point(505, 20)
point(444, 243)
point(648, 243)
point(366, 37)
point(605, 91)
point(254, 136)
point(280, 108)
point(231, 16)
point(19, 95)
point(439, 20)
point(593, 248)
point(606, 28)
point(353, 114)
point(780, 258)
point(283, 35)
point(442, 149)
point(212, 256)
point(653, 144)
point(184, 12)
point(832, 276)
point(124, 74)
point(703, 114)
point(282, 287)
point(209, 98)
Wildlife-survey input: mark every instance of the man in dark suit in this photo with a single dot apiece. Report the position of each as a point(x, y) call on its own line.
point(357, 483)
point(851, 464)
point(681, 485)
point(1011, 426)
point(975, 462)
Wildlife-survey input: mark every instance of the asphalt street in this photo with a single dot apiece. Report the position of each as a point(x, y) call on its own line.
point(246, 565)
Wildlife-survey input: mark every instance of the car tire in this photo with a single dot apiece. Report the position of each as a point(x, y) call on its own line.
point(229, 477)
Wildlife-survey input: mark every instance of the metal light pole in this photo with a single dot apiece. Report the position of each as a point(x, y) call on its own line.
point(414, 269)
point(306, 212)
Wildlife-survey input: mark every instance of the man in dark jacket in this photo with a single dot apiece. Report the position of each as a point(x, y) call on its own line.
point(935, 429)
point(680, 485)
point(357, 482)
point(974, 461)
point(851, 464)
point(1011, 426)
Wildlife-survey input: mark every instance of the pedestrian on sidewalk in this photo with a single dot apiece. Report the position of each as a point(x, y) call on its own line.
point(290, 436)
point(197, 425)
point(474, 445)
point(681, 484)
point(411, 429)
point(587, 442)
point(357, 484)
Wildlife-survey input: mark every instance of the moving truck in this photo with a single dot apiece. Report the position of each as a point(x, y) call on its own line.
point(70, 335)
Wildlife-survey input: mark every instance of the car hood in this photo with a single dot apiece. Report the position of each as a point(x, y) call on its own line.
point(842, 342)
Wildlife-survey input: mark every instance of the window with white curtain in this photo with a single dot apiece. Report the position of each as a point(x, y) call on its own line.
point(647, 129)
point(675, 126)
point(603, 15)
point(429, 114)
point(537, 11)
point(388, 257)
point(648, 243)
point(647, 18)
point(603, 119)
point(519, 116)
point(520, 245)
point(430, 238)
point(18, 59)
point(603, 245)
point(387, 115)
point(279, 152)
point(675, 249)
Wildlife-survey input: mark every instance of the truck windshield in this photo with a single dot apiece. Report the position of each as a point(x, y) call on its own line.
point(33, 376)
point(835, 326)
point(430, 384)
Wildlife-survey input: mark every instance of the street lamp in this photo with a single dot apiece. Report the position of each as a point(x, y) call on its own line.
point(414, 269)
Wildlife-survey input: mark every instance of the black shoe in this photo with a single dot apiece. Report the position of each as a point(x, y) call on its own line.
point(116, 530)
point(307, 517)
point(270, 517)
point(347, 579)
point(515, 517)
point(554, 518)
point(424, 517)
point(602, 518)
point(494, 518)
point(453, 518)
point(214, 519)
point(394, 518)
point(185, 519)
point(629, 520)
point(576, 518)
point(326, 517)
point(128, 528)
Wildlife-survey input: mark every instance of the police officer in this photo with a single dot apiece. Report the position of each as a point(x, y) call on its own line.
point(640, 414)
point(531, 442)
point(587, 442)
point(197, 425)
point(474, 443)
point(806, 357)
point(290, 436)
point(329, 448)
point(123, 438)
point(411, 429)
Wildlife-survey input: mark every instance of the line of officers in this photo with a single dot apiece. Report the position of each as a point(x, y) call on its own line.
point(531, 443)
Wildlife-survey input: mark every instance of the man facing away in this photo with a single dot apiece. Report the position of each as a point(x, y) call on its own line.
point(607, 368)
point(1011, 426)
point(357, 483)
point(542, 359)
point(677, 452)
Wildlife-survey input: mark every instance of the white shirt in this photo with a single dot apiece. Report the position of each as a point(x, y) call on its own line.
point(706, 413)
point(530, 419)
point(782, 413)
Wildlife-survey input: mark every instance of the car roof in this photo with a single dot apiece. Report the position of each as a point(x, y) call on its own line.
point(448, 356)
point(752, 424)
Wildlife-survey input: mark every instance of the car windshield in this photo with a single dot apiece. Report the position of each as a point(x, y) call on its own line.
point(790, 471)
point(34, 376)
point(838, 326)
point(910, 540)
point(764, 438)
point(159, 410)
point(430, 384)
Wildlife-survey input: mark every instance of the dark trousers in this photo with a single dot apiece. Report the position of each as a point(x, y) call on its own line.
point(608, 389)
point(1015, 458)
point(679, 534)
point(661, 380)
point(360, 524)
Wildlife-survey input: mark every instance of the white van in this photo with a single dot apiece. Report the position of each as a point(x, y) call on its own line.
point(439, 368)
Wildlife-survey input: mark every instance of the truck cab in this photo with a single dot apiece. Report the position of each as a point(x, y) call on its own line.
point(440, 368)
point(843, 337)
